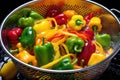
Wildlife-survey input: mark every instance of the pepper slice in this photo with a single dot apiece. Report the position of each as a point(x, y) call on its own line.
point(74, 44)
point(64, 64)
point(96, 58)
point(44, 53)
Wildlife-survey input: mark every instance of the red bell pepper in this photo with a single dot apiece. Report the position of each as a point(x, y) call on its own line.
point(84, 56)
point(88, 33)
point(13, 35)
point(52, 12)
point(61, 19)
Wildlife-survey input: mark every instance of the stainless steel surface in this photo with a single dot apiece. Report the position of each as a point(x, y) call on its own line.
point(110, 23)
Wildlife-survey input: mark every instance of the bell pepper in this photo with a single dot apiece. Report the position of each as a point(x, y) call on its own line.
point(42, 25)
point(74, 44)
point(28, 17)
point(52, 12)
point(13, 35)
point(27, 37)
point(69, 13)
point(96, 58)
point(25, 21)
point(44, 53)
point(95, 24)
point(84, 56)
point(24, 55)
point(104, 40)
point(64, 64)
point(35, 15)
point(61, 19)
point(77, 22)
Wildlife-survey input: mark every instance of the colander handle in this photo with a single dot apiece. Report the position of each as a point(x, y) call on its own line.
point(116, 10)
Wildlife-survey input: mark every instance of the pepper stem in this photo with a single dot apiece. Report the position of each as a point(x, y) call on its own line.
point(43, 41)
point(77, 48)
point(95, 29)
point(14, 51)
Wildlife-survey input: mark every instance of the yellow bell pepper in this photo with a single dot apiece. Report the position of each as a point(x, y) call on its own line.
point(25, 56)
point(96, 58)
point(42, 25)
point(95, 24)
point(77, 22)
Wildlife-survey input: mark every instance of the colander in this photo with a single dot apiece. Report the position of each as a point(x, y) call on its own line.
point(110, 22)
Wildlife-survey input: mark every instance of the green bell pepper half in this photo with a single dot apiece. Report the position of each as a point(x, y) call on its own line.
point(27, 37)
point(44, 53)
point(103, 39)
point(64, 64)
point(74, 44)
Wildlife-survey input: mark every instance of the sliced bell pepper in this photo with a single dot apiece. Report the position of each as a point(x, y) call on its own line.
point(44, 53)
point(64, 64)
point(104, 40)
point(77, 22)
point(74, 44)
point(96, 58)
point(27, 38)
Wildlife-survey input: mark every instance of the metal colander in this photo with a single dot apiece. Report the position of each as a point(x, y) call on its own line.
point(110, 24)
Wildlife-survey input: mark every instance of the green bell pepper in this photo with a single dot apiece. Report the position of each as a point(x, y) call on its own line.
point(103, 39)
point(28, 17)
point(44, 53)
point(35, 15)
point(27, 37)
point(74, 44)
point(26, 21)
point(64, 64)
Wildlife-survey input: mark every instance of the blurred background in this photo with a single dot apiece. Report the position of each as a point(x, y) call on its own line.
point(6, 6)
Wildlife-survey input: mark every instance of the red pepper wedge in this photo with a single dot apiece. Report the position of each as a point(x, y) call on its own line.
point(61, 19)
point(84, 56)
